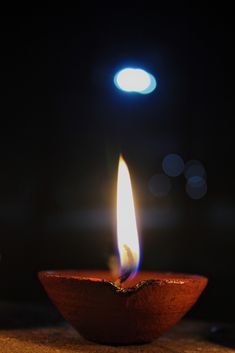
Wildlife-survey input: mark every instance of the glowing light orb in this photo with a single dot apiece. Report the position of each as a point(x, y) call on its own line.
point(135, 80)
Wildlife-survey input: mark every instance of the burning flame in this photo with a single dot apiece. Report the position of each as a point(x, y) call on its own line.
point(127, 235)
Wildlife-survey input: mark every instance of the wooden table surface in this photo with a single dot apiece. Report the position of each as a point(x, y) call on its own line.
point(186, 337)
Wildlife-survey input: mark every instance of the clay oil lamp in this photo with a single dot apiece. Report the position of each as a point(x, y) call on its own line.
point(133, 308)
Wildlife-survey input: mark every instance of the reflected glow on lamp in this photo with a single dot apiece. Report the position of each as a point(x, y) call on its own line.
point(127, 235)
point(135, 80)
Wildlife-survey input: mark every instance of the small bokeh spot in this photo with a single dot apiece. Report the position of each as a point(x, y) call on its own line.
point(196, 187)
point(194, 168)
point(173, 165)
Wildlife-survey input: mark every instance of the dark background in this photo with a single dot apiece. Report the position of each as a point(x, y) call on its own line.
point(64, 123)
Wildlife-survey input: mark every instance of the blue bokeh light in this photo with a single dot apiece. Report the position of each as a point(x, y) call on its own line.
point(135, 80)
point(194, 168)
point(196, 187)
point(173, 165)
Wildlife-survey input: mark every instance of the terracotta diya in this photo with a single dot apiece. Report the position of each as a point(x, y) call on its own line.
point(138, 313)
point(136, 307)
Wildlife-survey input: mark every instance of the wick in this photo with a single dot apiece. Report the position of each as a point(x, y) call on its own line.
point(124, 276)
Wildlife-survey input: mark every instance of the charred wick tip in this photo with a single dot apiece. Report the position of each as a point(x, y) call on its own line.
point(123, 278)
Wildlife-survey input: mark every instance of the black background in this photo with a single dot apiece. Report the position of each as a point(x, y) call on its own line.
point(64, 123)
